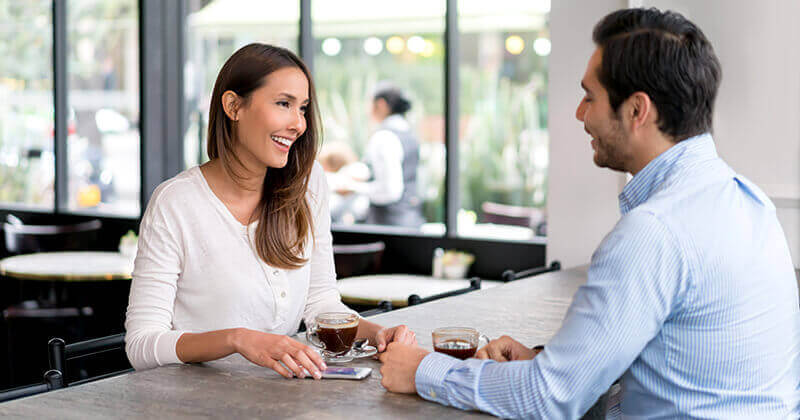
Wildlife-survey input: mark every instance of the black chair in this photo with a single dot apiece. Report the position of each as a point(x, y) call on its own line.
point(384, 306)
point(474, 284)
point(358, 259)
point(44, 310)
point(510, 275)
point(74, 360)
point(53, 379)
point(24, 239)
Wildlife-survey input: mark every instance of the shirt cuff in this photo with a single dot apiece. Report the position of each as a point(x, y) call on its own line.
point(166, 351)
point(431, 375)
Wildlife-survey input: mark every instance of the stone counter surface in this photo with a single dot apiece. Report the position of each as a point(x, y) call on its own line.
point(530, 310)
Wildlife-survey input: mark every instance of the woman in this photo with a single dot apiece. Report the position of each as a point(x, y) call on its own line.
point(234, 253)
point(392, 155)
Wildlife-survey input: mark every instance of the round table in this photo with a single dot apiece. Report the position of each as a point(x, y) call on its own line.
point(68, 266)
point(372, 289)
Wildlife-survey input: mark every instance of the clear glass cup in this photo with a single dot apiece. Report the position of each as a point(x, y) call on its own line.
point(459, 342)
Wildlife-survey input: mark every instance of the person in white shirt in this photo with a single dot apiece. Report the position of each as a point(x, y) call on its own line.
point(233, 254)
point(392, 155)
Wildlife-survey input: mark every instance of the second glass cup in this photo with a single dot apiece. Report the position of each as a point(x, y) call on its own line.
point(459, 342)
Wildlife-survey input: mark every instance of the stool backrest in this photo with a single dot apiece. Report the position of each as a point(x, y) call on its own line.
point(24, 239)
point(62, 355)
point(358, 259)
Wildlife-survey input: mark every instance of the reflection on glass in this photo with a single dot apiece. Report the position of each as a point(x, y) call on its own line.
point(503, 140)
point(103, 82)
point(385, 166)
point(216, 30)
point(26, 104)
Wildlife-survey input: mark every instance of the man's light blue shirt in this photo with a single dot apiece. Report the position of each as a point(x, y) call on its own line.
point(691, 299)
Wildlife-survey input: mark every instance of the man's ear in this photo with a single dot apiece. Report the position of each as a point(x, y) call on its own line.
point(640, 109)
point(230, 104)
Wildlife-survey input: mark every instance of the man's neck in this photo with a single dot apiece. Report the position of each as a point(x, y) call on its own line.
point(651, 147)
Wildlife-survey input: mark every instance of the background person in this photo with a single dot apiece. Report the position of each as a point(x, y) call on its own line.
point(392, 155)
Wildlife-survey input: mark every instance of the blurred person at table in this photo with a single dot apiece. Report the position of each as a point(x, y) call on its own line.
point(233, 254)
point(392, 155)
point(341, 167)
point(691, 299)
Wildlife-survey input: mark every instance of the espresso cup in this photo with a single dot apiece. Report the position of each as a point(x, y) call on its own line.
point(333, 332)
point(459, 342)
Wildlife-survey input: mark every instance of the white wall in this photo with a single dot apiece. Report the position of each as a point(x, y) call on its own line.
point(757, 119)
point(582, 198)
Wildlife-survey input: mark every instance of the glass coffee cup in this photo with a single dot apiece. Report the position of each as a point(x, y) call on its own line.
point(459, 342)
point(333, 332)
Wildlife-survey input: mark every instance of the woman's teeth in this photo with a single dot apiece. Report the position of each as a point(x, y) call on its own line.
point(283, 141)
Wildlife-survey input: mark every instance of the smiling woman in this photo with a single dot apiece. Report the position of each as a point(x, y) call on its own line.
point(235, 253)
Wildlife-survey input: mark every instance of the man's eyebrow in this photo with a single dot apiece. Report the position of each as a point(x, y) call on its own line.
point(583, 85)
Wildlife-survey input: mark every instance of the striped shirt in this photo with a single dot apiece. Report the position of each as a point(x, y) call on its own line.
point(691, 300)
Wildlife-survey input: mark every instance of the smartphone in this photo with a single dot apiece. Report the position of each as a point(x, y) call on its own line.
point(345, 373)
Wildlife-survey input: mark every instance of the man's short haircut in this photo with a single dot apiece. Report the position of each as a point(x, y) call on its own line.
point(667, 57)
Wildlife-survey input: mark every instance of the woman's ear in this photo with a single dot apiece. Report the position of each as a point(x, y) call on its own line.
point(230, 104)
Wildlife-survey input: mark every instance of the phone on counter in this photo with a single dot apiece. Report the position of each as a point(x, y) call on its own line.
point(345, 373)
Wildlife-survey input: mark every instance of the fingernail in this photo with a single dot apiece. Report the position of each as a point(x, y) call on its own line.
point(324, 366)
point(317, 375)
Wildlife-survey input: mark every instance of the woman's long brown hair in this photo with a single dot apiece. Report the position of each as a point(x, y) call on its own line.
point(283, 214)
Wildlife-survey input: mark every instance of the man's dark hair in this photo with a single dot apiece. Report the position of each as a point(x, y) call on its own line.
point(667, 57)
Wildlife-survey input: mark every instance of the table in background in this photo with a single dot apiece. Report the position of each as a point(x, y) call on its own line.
point(531, 310)
point(68, 266)
point(396, 288)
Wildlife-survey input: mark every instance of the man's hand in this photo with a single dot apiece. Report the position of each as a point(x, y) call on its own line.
point(400, 363)
point(505, 349)
point(398, 334)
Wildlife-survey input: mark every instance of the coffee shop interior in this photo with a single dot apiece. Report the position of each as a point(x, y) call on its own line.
point(103, 100)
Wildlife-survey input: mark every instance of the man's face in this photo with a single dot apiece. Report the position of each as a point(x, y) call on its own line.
point(611, 144)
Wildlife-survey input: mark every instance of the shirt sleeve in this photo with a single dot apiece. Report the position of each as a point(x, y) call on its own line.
point(385, 156)
point(150, 340)
point(323, 295)
point(637, 277)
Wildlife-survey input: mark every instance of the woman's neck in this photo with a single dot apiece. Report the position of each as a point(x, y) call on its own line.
point(246, 189)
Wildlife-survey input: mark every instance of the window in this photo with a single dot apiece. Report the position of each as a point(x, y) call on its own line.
point(360, 47)
point(216, 30)
point(387, 169)
point(103, 97)
point(503, 139)
point(26, 104)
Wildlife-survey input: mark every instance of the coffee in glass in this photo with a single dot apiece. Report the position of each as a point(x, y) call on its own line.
point(459, 342)
point(334, 332)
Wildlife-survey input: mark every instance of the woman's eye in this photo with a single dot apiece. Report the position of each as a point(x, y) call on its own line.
point(303, 109)
point(283, 103)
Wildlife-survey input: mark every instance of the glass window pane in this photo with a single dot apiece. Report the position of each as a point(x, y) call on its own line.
point(503, 140)
point(103, 97)
point(388, 169)
point(26, 103)
point(216, 29)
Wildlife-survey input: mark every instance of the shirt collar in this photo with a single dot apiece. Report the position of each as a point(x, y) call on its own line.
point(644, 184)
point(395, 122)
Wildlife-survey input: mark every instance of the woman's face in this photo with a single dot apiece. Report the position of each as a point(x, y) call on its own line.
point(272, 120)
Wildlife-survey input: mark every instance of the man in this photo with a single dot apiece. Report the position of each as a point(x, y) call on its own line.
point(691, 298)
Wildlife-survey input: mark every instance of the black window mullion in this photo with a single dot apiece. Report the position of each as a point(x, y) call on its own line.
point(451, 94)
point(161, 52)
point(306, 41)
point(60, 107)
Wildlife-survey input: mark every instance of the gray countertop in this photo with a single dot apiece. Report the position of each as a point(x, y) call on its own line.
point(531, 310)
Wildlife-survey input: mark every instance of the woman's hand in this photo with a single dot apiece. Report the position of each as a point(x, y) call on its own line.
point(398, 334)
point(270, 350)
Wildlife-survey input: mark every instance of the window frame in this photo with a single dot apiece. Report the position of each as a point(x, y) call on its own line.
point(162, 36)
